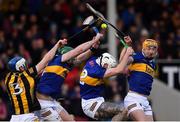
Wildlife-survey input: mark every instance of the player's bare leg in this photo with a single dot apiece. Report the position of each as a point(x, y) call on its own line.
point(149, 118)
point(109, 110)
point(65, 116)
point(138, 115)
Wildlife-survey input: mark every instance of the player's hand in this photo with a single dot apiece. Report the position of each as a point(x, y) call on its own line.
point(129, 51)
point(96, 45)
point(98, 37)
point(62, 42)
point(128, 40)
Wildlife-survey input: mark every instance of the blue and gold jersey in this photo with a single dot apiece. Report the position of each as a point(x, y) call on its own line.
point(141, 76)
point(91, 80)
point(53, 77)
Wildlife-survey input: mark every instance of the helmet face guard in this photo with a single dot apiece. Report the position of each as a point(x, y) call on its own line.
point(106, 60)
point(17, 64)
point(150, 48)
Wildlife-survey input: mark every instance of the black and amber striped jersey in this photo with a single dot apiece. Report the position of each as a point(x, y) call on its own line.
point(21, 89)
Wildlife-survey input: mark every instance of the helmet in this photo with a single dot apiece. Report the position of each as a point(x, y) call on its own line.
point(16, 63)
point(108, 59)
point(149, 42)
point(64, 49)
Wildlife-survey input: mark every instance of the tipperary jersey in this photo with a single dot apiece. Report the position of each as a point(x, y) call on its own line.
point(21, 90)
point(91, 80)
point(141, 76)
point(53, 77)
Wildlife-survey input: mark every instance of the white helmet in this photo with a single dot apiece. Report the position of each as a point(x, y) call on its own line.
point(108, 59)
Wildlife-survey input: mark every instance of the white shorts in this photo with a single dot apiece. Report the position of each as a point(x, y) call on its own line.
point(90, 106)
point(24, 118)
point(50, 110)
point(134, 101)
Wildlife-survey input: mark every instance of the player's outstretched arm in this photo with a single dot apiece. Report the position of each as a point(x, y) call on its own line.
point(121, 66)
point(49, 55)
point(84, 56)
point(128, 41)
point(80, 49)
point(122, 54)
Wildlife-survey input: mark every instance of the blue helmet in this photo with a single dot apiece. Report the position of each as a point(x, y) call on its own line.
point(16, 63)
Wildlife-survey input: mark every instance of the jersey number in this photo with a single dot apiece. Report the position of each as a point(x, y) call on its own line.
point(18, 90)
point(84, 73)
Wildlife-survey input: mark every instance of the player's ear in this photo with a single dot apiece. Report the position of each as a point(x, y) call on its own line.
point(142, 50)
point(157, 54)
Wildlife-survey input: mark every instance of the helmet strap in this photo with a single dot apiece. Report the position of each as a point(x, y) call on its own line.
point(101, 60)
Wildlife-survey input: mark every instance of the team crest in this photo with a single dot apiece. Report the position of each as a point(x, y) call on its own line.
point(91, 63)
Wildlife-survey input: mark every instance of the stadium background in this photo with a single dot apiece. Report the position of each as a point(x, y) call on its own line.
point(31, 27)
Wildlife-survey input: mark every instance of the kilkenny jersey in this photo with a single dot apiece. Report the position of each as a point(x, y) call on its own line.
point(53, 77)
point(141, 76)
point(21, 89)
point(91, 80)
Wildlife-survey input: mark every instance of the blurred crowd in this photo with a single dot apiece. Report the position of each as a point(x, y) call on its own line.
point(31, 27)
point(157, 19)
